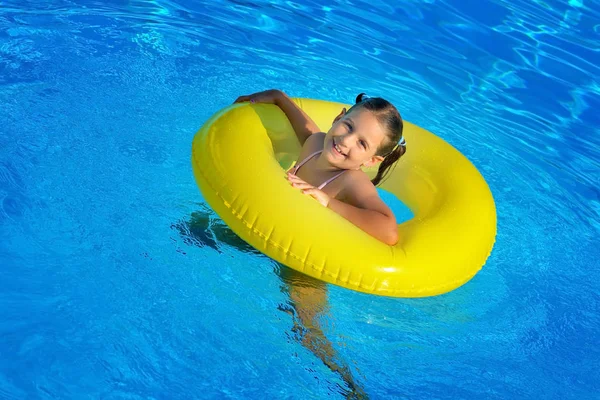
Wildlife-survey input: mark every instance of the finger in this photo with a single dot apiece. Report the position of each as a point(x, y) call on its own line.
point(302, 185)
point(312, 192)
point(242, 99)
point(318, 195)
point(299, 182)
point(294, 178)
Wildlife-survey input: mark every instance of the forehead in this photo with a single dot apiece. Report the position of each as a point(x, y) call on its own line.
point(367, 124)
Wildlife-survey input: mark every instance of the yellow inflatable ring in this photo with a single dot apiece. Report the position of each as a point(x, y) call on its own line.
point(240, 156)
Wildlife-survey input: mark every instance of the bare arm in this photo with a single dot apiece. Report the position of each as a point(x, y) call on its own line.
point(301, 122)
point(373, 217)
point(361, 205)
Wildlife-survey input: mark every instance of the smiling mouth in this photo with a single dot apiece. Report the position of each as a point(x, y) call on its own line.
point(337, 149)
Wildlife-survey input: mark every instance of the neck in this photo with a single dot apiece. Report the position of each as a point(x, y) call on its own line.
point(324, 165)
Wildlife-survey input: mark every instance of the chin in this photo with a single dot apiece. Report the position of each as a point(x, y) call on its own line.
point(332, 156)
point(335, 161)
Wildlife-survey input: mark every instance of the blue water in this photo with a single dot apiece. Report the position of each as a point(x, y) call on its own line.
point(114, 284)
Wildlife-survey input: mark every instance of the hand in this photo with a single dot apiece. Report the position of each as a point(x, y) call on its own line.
point(309, 189)
point(268, 96)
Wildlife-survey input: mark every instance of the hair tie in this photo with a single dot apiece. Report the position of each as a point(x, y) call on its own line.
point(361, 97)
point(402, 142)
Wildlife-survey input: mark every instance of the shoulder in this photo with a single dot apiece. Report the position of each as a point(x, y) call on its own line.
point(356, 183)
point(359, 191)
point(315, 141)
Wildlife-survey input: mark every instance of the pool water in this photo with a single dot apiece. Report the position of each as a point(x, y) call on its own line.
point(117, 281)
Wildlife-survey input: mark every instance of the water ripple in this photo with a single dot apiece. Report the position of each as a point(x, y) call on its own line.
point(98, 104)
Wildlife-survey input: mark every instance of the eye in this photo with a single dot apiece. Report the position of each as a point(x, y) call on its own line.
point(349, 126)
point(363, 144)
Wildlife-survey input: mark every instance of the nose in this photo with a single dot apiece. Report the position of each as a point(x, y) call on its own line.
point(344, 139)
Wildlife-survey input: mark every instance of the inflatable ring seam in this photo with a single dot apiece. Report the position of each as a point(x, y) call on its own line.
point(445, 243)
point(267, 238)
point(285, 251)
point(322, 271)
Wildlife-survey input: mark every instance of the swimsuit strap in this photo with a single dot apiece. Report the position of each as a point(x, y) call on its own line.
point(297, 167)
point(329, 180)
point(301, 163)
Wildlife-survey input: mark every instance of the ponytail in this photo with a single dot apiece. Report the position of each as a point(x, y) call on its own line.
point(387, 162)
point(361, 97)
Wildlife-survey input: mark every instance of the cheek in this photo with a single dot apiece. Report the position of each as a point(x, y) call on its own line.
point(335, 131)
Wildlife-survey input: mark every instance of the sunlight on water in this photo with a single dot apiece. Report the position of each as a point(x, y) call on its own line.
point(118, 281)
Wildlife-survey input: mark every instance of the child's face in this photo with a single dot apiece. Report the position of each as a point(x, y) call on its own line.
point(354, 139)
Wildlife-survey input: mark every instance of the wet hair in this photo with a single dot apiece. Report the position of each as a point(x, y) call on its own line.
point(389, 117)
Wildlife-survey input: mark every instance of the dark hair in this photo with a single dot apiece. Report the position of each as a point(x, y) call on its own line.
point(389, 117)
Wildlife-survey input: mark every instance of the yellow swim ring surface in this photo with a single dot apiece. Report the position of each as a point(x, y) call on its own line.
point(239, 159)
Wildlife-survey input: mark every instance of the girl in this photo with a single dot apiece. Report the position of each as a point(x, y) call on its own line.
point(328, 169)
point(329, 165)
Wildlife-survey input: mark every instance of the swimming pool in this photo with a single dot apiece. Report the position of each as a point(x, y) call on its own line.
point(114, 283)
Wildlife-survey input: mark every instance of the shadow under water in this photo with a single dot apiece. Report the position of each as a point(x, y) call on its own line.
point(308, 296)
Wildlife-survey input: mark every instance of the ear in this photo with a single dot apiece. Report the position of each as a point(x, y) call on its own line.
point(373, 161)
point(340, 115)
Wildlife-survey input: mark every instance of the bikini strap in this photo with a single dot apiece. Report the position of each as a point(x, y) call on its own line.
point(329, 180)
point(297, 166)
point(301, 163)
